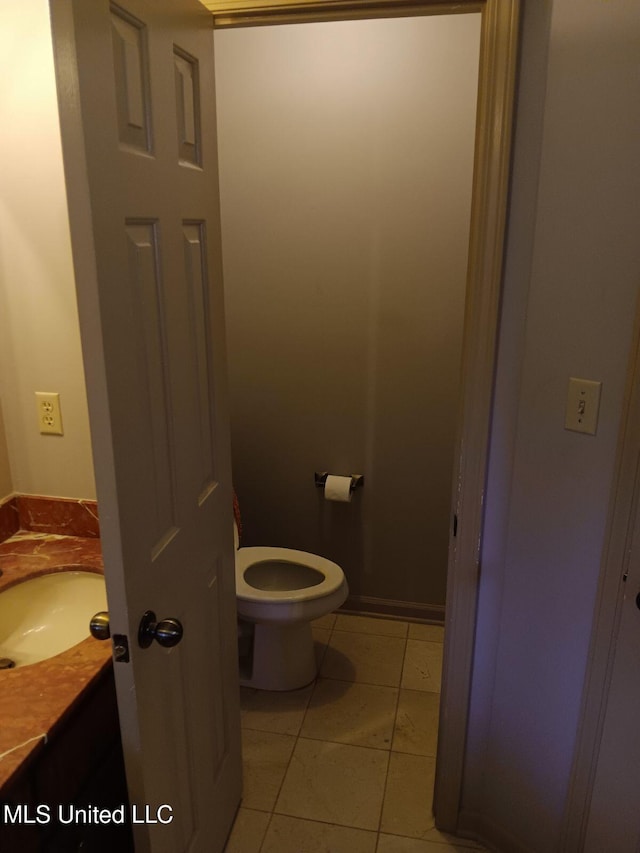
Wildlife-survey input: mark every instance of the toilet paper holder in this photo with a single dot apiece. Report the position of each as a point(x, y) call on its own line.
point(357, 480)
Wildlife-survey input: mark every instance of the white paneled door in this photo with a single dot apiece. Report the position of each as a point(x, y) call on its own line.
point(136, 95)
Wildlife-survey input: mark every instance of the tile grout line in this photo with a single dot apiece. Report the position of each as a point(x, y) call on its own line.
point(338, 743)
point(272, 811)
point(295, 743)
point(324, 822)
point(393, 735)
point(284, 776)
point(297, 738)
point(266, 832)
point(378, 684)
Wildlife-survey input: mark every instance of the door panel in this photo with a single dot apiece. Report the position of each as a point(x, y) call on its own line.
point(137, 106)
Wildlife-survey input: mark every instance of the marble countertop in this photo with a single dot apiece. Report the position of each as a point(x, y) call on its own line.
point(35, 699)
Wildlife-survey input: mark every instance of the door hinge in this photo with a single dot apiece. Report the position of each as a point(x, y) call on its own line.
point(455, 525)
point(121, 648)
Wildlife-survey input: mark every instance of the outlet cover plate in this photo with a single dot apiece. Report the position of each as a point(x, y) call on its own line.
point(49, 414)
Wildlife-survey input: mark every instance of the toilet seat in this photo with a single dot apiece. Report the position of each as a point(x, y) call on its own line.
point(247, 557)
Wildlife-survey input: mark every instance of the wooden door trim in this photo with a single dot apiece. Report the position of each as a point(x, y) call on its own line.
point(255, 13)
point(496, 86)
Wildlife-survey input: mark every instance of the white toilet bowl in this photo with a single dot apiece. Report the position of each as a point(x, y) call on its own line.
point(279, 591)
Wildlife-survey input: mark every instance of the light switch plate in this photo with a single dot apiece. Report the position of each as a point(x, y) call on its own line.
point(583, 403)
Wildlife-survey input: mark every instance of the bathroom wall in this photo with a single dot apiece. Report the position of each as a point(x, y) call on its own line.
point(6, 487)
point(571, 284)
point(346, 153)
point(39, 334)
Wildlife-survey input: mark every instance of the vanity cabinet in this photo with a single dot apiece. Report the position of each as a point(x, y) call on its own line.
point(80, 765)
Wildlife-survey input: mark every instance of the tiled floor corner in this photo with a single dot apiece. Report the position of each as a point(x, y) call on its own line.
point(346, 765)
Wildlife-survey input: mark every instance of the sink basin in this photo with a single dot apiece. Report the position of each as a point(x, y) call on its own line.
point(44, 616)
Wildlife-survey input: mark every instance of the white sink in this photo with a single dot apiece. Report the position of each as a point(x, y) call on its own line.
point(44, 616)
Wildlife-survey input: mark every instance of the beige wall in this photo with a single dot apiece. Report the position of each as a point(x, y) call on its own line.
point(39, 335)
point(6, 483)
point(346, 159)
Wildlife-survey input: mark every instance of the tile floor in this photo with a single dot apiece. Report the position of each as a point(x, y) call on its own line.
point(346, 765)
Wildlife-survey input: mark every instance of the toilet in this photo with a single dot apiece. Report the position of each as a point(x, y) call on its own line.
point(279, 591)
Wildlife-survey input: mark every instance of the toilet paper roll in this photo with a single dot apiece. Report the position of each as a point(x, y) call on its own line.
point(337, 488)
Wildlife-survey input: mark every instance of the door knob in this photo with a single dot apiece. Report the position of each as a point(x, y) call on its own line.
point(167, 632)
point(100, 629)
point(99, 626)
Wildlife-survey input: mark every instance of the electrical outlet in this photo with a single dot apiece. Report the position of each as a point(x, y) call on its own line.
point(49, 415)
point(583, 403)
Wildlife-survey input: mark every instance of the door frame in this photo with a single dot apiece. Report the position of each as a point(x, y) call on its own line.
point(496, 87)
point(622, 527)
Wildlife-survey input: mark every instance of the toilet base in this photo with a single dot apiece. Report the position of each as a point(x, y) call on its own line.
point(283, 656)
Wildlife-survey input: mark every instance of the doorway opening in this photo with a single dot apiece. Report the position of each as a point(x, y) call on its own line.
point(498, 35)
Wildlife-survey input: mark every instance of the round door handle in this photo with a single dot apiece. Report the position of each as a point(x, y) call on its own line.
point(166, 632)
point(99, 626)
